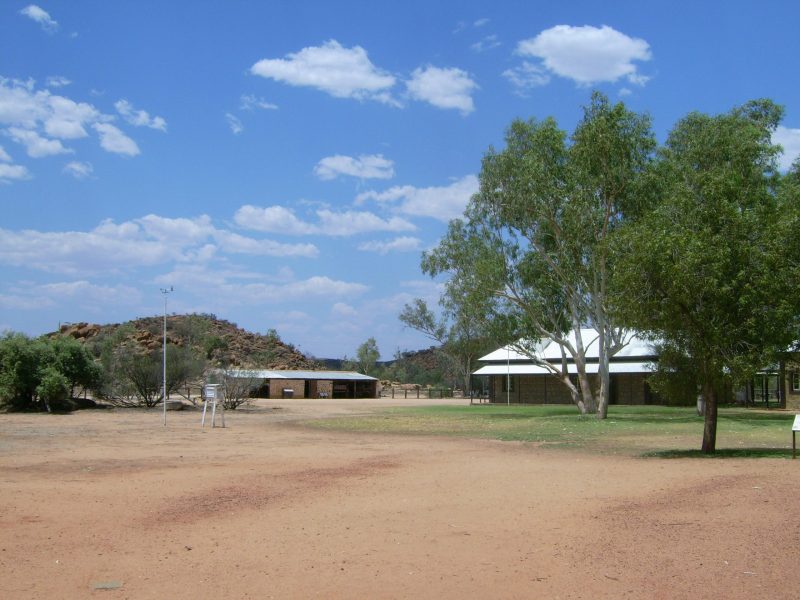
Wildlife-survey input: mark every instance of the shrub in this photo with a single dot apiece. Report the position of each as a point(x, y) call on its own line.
point(53, 390)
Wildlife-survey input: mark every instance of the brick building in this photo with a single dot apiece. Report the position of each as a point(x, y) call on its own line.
point(309, 384)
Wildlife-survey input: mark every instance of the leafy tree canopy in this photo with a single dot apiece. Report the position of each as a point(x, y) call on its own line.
point(712, 269)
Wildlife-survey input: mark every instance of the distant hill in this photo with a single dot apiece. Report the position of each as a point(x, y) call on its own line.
point(426, 360)
point(221, 342)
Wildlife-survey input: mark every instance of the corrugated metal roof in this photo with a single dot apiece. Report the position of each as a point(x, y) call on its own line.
point(548, 350)
point(591, 368)
point(275, 374)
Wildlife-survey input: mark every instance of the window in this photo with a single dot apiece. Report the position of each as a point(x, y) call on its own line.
point(796, 381)
point(509, 380)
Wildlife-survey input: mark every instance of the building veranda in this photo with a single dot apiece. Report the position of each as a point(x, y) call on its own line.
point(516, 377)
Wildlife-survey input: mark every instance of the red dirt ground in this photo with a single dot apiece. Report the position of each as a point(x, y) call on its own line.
point(268, 509)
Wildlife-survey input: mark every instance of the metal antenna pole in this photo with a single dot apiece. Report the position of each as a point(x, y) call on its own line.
point(165, 291)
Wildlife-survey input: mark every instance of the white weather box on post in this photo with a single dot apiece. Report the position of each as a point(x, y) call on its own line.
point(795, 429)
point(212, 392)
point(796, 424)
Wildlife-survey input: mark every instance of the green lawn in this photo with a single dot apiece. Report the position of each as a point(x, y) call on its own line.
point(632, 430)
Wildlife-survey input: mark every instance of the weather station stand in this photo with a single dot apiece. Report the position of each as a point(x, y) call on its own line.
point(213, 393)
point(795, 429)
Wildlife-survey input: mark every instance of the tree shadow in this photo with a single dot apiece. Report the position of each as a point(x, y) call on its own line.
point(723, 453)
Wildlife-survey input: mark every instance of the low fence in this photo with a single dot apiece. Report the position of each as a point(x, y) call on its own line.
point(420, 392)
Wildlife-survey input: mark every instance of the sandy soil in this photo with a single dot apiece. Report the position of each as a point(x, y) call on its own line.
point(111, 504)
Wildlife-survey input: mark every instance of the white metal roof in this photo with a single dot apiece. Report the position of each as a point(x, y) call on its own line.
point(591, 368)
point(545, 349)
point(274, 374)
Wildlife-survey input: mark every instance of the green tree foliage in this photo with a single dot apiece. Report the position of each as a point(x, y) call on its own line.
point(142, 373)
point(712, 270)
point(214, 343)
point(53, 389)
point(532, 253)
point(135, 378)
point(460, 331)
point(32, 372)
point(75, 363)
point(367, 356)
point(20, 361)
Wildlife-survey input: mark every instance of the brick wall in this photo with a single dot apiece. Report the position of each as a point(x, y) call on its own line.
point(276, 387)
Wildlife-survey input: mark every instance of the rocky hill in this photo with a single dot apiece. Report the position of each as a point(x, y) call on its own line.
point(428, 359)
point(221, 342)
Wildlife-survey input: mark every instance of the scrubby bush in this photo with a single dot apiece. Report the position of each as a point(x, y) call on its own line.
point(43, 373)
point(53, 390)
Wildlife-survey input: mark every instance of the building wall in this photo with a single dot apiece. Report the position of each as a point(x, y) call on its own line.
point(792, 374)
point(546, 389)
point(318, 387)
point(276, 387)
point(630, 389)
point(324, 386)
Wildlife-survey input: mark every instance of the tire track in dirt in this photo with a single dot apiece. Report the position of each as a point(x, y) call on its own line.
point(260, 491)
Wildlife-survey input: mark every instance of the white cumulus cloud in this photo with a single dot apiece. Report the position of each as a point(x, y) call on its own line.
point(79, 170)
point(316, 286)
point(588, 54)
point(486, 43)
point(35, 145)
point(148, 241)
point(41, 16)
point(279, 219)
point(790, 140)
point(339, 71)
point(139, 118)
point(112, 139)
point(12, 173)
point(67, 118)
point(399, 244)
point(40, 120)
point(444, 88)
point(57, 81)
point(438, 202)
point(527, 75)
point(275, 219)
point(355, 222)
point(239, 244)
point(341, 309)
point(250, 102)
point(371, 166)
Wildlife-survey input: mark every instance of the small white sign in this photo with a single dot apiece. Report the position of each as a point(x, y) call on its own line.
point(796, 424)
point(211, 391)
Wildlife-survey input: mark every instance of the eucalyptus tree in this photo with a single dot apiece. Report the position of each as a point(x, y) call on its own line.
point(458, 329)
point(712, 270)
point(367, 355)
point(533, 247)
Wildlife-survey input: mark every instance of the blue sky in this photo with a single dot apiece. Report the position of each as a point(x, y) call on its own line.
point(284, 164)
